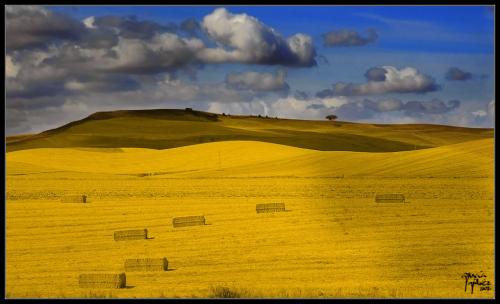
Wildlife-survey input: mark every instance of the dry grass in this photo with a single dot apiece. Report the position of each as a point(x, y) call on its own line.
point(102, 280)
point(147, 264)
point(335, 241)
point(256, 159)
point(74, 199)
point(389, 198)
point(146, 129)
point(223, 292)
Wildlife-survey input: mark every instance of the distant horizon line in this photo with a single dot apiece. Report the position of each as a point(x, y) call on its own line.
point(246, 115)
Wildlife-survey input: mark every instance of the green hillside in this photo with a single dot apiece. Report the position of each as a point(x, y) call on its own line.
point(169, 128)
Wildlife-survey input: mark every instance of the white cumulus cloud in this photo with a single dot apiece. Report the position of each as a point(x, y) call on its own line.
point(388, 79)
point(243, 38)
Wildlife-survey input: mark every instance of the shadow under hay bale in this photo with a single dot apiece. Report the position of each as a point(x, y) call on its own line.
point(271, 207)
point(146, 264)
point(74, 199)
point(125, 235)
point(102, 280)
point(389, 198)
point(188, 221)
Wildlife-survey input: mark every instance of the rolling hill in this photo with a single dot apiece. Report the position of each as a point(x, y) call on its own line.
point(141, 169)
point(257, 159)
point(170, 128)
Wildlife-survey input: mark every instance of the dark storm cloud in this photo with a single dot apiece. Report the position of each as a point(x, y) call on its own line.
point(376, 74)
point(165, 53)
point(131, 28)
point(347, 38)
point(262, 82)
point(435, 106)
point(325, 93)
point(316, 106)
point(16, 121)
point(101, 83)
point(36, 27)
point(36, 103)
point(384, 80)
point(115, 61)
point(119, 44)
point(367, 108)
point(191, 26)
point(301, 95)
point(65, 84)
point(59, 67)
point(456, 74)
point(34, 90)
point(32, 81)
point(99, 39)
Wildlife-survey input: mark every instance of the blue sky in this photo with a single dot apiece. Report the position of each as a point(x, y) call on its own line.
point(429, 39)
point(467, 29)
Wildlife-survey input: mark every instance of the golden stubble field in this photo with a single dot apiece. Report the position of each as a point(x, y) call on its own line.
point(334, 240)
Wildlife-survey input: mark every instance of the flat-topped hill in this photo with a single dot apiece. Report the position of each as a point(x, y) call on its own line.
point(170, 128)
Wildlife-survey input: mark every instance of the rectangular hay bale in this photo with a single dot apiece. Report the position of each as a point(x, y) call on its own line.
point(271, 207)
point(188, 221)
point(74, 199)
point(147, 264)
point(389, 198)
point(124, 235)
point(102, 280)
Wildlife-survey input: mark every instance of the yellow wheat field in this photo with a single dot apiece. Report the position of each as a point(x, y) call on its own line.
point(333, 241)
